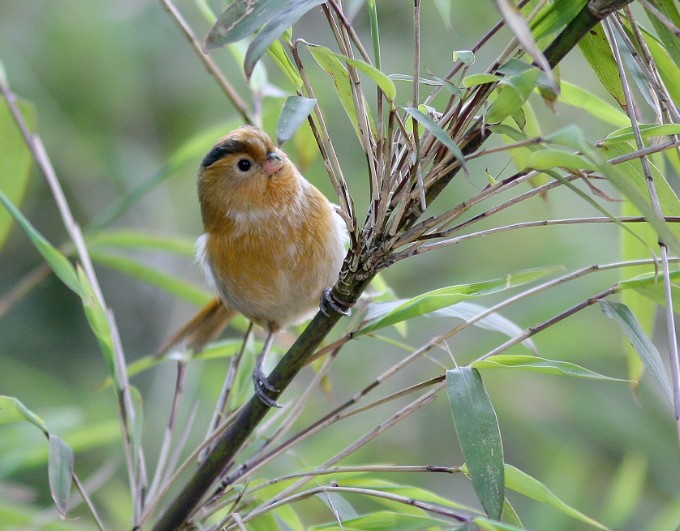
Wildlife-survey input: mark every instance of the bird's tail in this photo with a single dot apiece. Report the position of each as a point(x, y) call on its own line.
point(201, 329)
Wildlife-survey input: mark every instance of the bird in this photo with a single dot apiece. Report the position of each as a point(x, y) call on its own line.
point(273, 244)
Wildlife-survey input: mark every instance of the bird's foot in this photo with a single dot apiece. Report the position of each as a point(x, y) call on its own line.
point(329, 300)
point(261, 383)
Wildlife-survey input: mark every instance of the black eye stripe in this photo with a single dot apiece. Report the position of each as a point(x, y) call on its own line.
point(228, 147)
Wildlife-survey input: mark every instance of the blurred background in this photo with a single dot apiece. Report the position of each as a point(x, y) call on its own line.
point(117, 91)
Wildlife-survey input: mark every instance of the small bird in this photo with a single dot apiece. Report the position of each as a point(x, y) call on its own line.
point(273, 244)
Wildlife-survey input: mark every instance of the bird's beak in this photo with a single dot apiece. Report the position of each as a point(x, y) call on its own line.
point(272, 163)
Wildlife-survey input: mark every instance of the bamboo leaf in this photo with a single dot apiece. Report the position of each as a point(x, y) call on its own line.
point(596, 50)
point(281, 59)
point(136, 239)
point(57, 261)
point(439, 134)
point(545, 159)
point(16, 160)
point(513, 93)
point(60, 472)
point(383, 314)
point(582, 99)
point(479, 436)
point(495, 321)
point(295, 111)
point(12, 410)
point(288, 13)
point(165, 282)
point(534, 363)
point(241, 19)
point(648, 130)
point(643, 346)
point(383, 81)
point(530, 487)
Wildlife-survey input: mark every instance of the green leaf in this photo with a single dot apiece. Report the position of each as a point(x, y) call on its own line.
point(481, 79)
point(281, 59)
point(650, 130)
point(383, 314)
point(534, 363)
point(629, 178)
point(596, 50)
point(295, 111)
point(387, 521)
point(170, 284)
point(530, 487)
point(288, 13)
point(16, 160)
point(491, 525)
point(136, 239)
point(554, 16)
point(582, 99)
point(643, 346)
point(241, 19)
point(383, 81)
point(464, 56)
point(495, 321)
point(546, 159)
point(99, 323)
point(57, 261)
point(12, 410)
point(513, 93)
point(439, 134)
point(60, 468)
point(668, 38)
point(479, 436)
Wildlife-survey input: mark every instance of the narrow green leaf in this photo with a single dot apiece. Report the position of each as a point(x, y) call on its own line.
point(627, 489)
point(464, 56)
point(240, 19)
point(387, 521)
point(513, 93)
point(13, 410)
point(295, 111)
point(439, 134)
point(383, 314)
point(481, 79)
point(554, 16)
point(136, 239)
point(582, 99)
point(60, 468)
point(629, 178)
point(170, 284)
point(546, 159)
point(334, 68)
point(596, 50)
point(288, 13)
point(57, 261)
point(668, 38)
point(479, 436)
point(383, 81)
point(491, 525)
point(99, 323)
point(534, 363)
point(530, 487)
point(649, 130)
point(495, 321)
point(281, 59)
point(643, 346)
point(648, 279)
point(16, 160)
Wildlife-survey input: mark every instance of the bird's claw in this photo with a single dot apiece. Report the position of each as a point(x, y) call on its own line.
point(328, 299)
point(261, 383)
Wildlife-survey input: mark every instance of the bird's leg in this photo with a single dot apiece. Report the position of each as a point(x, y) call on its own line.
point(327, 299)
point(259, 378)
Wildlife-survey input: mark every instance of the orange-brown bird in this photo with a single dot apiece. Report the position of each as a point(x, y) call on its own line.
point(273, 244)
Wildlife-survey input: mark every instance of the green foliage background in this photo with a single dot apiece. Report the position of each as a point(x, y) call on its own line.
point(116, 92)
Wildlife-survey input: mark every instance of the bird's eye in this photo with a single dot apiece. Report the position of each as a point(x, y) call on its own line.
point(243, 165)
